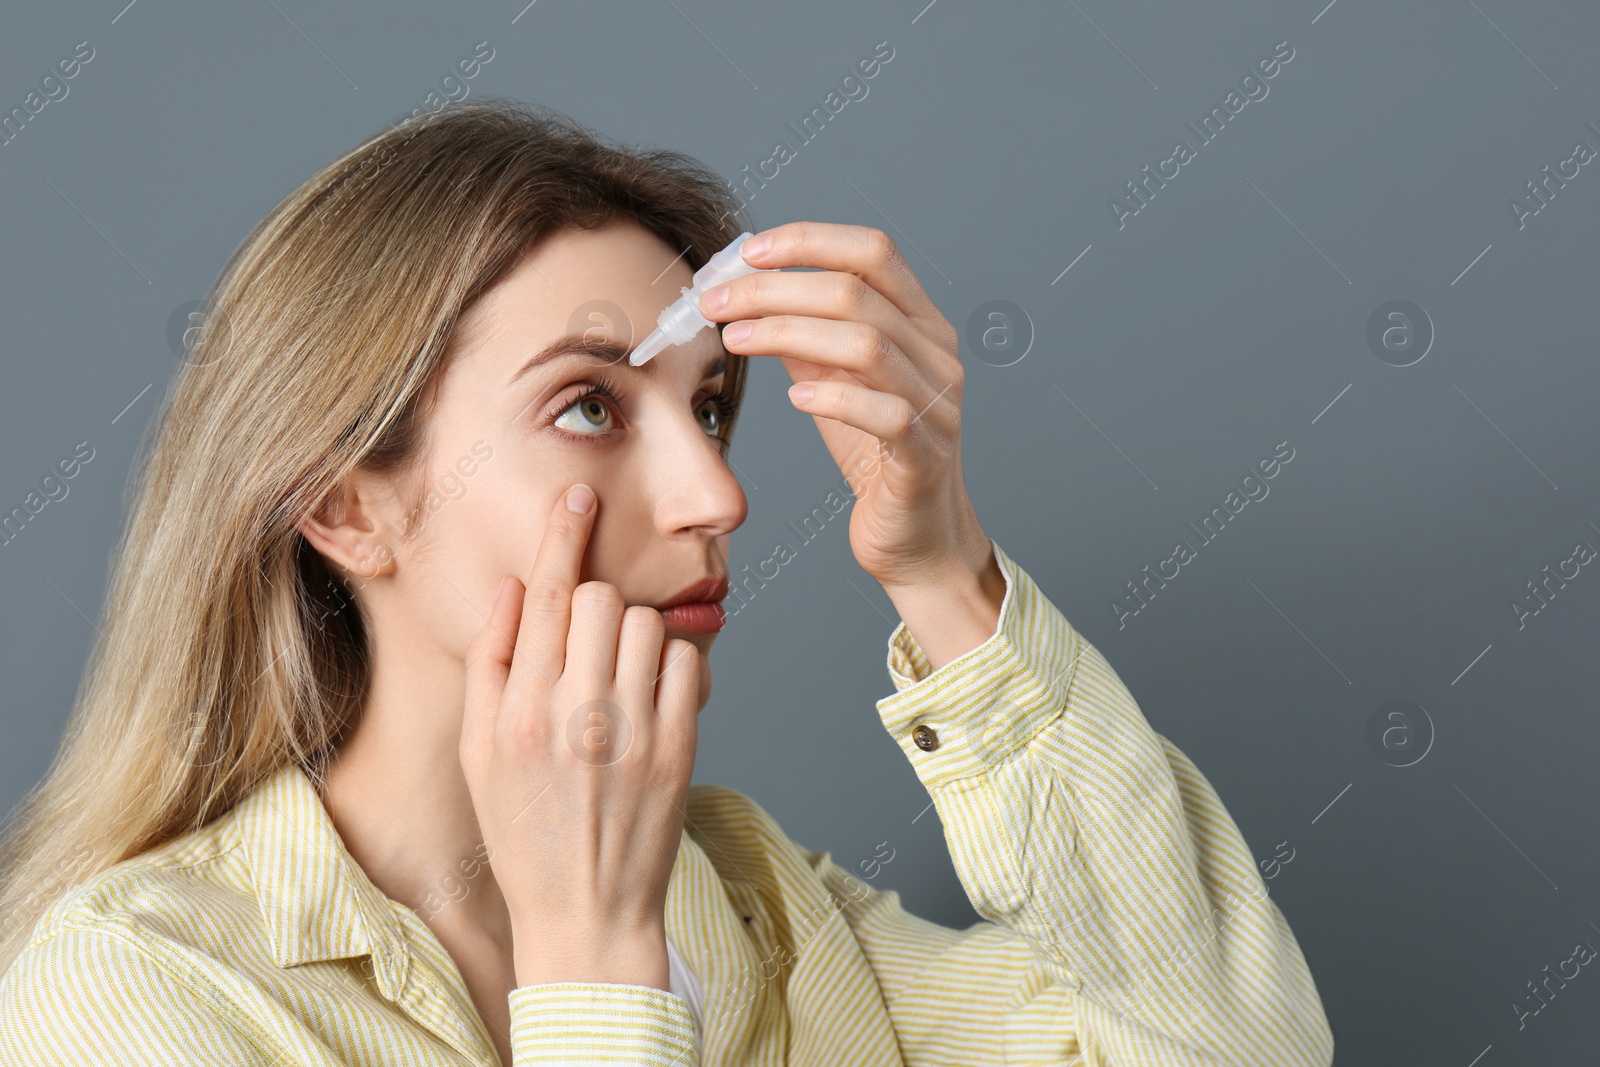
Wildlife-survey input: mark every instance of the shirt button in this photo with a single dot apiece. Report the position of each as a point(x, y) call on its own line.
point(925, 737)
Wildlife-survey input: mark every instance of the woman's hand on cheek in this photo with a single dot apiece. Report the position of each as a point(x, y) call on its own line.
point(577, 743)
point(886, 384)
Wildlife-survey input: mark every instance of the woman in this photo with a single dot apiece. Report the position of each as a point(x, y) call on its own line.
point(384, 753)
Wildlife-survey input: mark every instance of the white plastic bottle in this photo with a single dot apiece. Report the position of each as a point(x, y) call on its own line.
point(681, 319)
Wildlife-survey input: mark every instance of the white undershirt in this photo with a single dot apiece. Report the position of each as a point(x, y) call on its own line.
point(685, 985)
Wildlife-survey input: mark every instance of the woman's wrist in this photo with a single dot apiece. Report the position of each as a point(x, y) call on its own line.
point(951, 616)
point(600, 957)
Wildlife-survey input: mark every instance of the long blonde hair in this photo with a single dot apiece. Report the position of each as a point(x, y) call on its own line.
point(319, 346)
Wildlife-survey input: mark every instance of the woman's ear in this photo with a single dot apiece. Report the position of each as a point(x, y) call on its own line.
point(350, 533)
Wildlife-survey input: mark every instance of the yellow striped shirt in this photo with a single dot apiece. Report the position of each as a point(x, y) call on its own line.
point(1125, 920)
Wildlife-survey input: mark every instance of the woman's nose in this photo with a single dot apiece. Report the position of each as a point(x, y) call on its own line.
point(699, 488)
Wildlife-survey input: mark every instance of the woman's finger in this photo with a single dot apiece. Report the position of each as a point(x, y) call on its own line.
point(857, 347)
point(824, 295)
point(547, 602)
point(865, 251)
point(639, 652)
point(886, 416)
point(638, 659)
point(677, 702)
point(597, 609)
point(488, 662)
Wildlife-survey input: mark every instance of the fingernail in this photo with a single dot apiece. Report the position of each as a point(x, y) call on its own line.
point(580, 498)
point(735, 332)
point(800, 392)
point(756, 245)
point(714, 298)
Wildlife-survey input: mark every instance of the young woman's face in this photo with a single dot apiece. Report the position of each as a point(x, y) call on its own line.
point(653, 453)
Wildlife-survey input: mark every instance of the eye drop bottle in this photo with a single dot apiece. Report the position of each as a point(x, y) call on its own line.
point(681, 319)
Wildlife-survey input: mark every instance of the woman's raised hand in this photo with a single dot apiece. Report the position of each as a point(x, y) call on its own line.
point(578, 743)
point(885, 382)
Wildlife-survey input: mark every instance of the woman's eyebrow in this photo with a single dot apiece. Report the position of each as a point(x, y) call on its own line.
point(596, 350)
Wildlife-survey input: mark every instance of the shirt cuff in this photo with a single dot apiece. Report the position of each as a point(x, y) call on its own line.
point(583, 1023)
point(984, 705)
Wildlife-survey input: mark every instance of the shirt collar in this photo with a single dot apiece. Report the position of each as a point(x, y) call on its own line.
point(316, 901)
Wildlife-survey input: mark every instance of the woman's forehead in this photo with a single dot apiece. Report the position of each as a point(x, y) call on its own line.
point(608, 283)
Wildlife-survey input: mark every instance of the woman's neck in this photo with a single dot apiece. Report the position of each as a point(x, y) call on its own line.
point(396, 793)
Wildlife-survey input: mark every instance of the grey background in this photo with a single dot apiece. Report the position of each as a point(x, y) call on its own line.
point(1222, 319)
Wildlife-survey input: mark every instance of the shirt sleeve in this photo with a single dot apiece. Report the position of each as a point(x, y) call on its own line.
point(583, 1023)
point(1126, 920)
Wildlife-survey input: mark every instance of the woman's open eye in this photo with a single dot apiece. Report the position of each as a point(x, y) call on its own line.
point(587, 416)
point(591, 413)
point(713, 406)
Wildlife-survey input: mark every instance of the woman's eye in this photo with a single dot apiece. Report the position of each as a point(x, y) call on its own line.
point(588, 411)
point(715, 409)
point(590, 415)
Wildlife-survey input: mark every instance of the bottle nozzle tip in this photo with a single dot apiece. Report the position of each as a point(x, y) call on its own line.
point(648, 348)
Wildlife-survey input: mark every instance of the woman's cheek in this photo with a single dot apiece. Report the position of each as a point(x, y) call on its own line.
point(499, 524)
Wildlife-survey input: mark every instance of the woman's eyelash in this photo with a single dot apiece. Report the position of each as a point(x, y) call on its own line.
point(727, 408)
point(604, 386)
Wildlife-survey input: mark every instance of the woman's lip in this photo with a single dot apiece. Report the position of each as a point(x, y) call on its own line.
point(701, 617)
point(705, 590)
